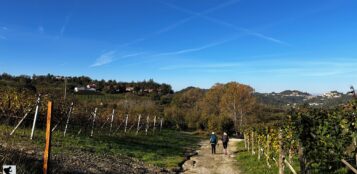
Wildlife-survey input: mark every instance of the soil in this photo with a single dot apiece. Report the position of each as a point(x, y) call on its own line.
point(28, 160)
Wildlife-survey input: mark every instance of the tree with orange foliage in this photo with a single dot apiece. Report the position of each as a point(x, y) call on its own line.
point(237, 100)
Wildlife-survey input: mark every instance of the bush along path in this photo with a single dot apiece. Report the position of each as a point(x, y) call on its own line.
point(309, 141)
point(205, 162)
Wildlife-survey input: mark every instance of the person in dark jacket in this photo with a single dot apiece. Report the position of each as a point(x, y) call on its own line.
point(225, 140)
point(213, 141)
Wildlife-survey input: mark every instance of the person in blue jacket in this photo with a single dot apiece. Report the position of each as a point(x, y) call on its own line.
point(213, 141)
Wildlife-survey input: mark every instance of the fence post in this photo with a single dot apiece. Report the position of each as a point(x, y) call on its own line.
point(23, 118)
point(349, 166)
point(161, 124)
point(147, 125)
point(267, 151)
point(355, 142)
point(138, 127)
point(245, 140)
point(248, 141)
point(153, 129)
point(35, 117)
point(253, 143)
point(111, 122)
point(47, 153)
point(291, 152)
point(258, 147)
point(281, 153)
point(126, 122)
point(93, 122)
point(69, 115)
point(301, 158)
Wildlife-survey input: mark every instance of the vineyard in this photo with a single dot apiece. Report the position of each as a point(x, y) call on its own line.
point(308, 141)
point(135, 134)
point(99, 135)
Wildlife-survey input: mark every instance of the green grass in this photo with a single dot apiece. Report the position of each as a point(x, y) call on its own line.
point(249, 164)
point(165, 149)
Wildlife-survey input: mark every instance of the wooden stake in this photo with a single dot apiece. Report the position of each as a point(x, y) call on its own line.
point(35, 117)
point(291, 152)
point(349, 166)
point(47, 153)
point(126, 122)
point(301, 159)
point(95, 114)
point(253, 152)
point(153, 130)
point(245, 140)
point(267, 151)
point(281, 153)
point(161, 124)
point(23, 118)
point(67, 122)
point(138, 128)
point(111, 122)
point(290, 167)
point(248, 143)
point(355, 143)
point(258, 148)
point(147, 125)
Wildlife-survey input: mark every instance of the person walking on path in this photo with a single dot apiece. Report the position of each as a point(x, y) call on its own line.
point(225, 140)
point(213, 141)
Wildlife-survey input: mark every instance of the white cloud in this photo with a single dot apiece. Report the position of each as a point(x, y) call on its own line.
point(133, 55)
point(229, 25)
point(3, 37)
point(103, 59)
point(189, 50)
point(64, 26)
point(181, 22)
point(4, 28)
point(203, 66)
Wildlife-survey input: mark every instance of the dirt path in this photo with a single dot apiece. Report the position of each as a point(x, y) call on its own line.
point(207, 163)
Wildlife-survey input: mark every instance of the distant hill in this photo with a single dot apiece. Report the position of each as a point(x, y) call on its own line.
point(294, 97)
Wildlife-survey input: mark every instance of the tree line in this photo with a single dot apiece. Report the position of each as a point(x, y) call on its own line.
point(38, 82)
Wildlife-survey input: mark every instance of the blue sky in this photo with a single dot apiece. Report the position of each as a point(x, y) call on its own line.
point(272, 45)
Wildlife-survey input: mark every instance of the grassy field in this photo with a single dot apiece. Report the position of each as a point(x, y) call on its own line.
point(249, 164)
point(165, 149)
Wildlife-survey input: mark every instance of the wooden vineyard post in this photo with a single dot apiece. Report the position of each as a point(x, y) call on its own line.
point(153, 129)
point(35, 117)
point(69, 115)
point(147, 125)
point(111, 121)
point(355, 143)
point(253, 152)
point(267, 151)
point(290, 167)
point(161, 119)
point(248, 143)
point(47, 153)
point(23, 118)
point(245, 140)
point(126, 122)
point(138, 127)
point(258, 147)
point(93, 122)
point(301, 158)
point(349, 166)
point(281, 153)
point(291, 152)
